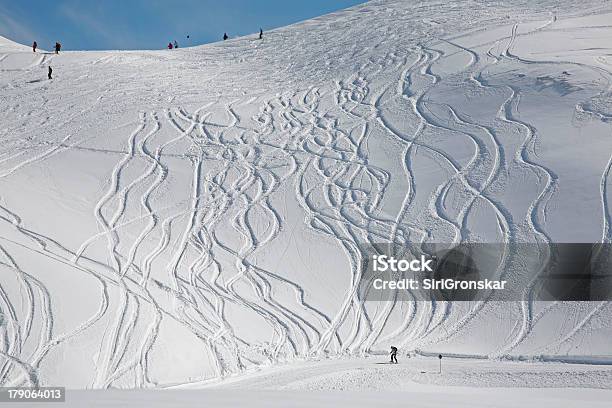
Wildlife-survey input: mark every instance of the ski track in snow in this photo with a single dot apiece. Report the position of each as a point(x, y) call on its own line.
point(193, 259)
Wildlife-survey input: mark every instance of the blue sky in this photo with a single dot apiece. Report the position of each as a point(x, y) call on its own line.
point(148, 24)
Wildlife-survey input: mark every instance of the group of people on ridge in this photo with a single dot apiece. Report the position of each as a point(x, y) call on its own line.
point(171, 45)
point(58, 47)
point(174, 45)
point(225, 37)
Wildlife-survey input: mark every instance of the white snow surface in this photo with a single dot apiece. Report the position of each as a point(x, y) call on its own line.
point(193, 217)
point(366, 382)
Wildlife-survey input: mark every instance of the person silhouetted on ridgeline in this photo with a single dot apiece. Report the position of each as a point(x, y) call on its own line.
point(170, 46)
point(58, 47)
point(225, 37)
point(175, 44)
point(260, 34)
point(34, 46)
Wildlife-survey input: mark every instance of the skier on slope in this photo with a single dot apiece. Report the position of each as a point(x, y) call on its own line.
point(58, 47)
point(50, 72)
point(170, 46)
point(393, 354)
point(175, 44)
point(260, 34)
point(34, 46)
point(225, 37)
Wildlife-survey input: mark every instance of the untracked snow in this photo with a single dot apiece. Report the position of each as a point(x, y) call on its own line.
point(195, 216)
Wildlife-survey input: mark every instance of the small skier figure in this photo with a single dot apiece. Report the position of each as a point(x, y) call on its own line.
point(50, 72)
point(393, 354)
point(175, 44)
point(58, 47)
point(225, 37)
point(260, 34)
point(170, 46)
point(34, 46)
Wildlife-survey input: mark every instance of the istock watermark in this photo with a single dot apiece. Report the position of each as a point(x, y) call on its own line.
point(479, 272)
point(382, 263)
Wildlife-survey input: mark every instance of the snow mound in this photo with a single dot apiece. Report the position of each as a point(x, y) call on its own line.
point(7, 45)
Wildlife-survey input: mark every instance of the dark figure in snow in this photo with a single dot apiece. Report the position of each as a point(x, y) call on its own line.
point(34, 46)
point(225, 37)
point(170, 46)
point(394, 354)
point(175, 44)
point(50, 72)
point(260, 34)
point(58, 47)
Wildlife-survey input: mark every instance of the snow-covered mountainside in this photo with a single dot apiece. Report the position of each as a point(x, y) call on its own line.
point(172, 217)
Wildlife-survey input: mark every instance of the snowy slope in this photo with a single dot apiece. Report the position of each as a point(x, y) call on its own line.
point(11, 46)
point(357, 382)
point(178, 217)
